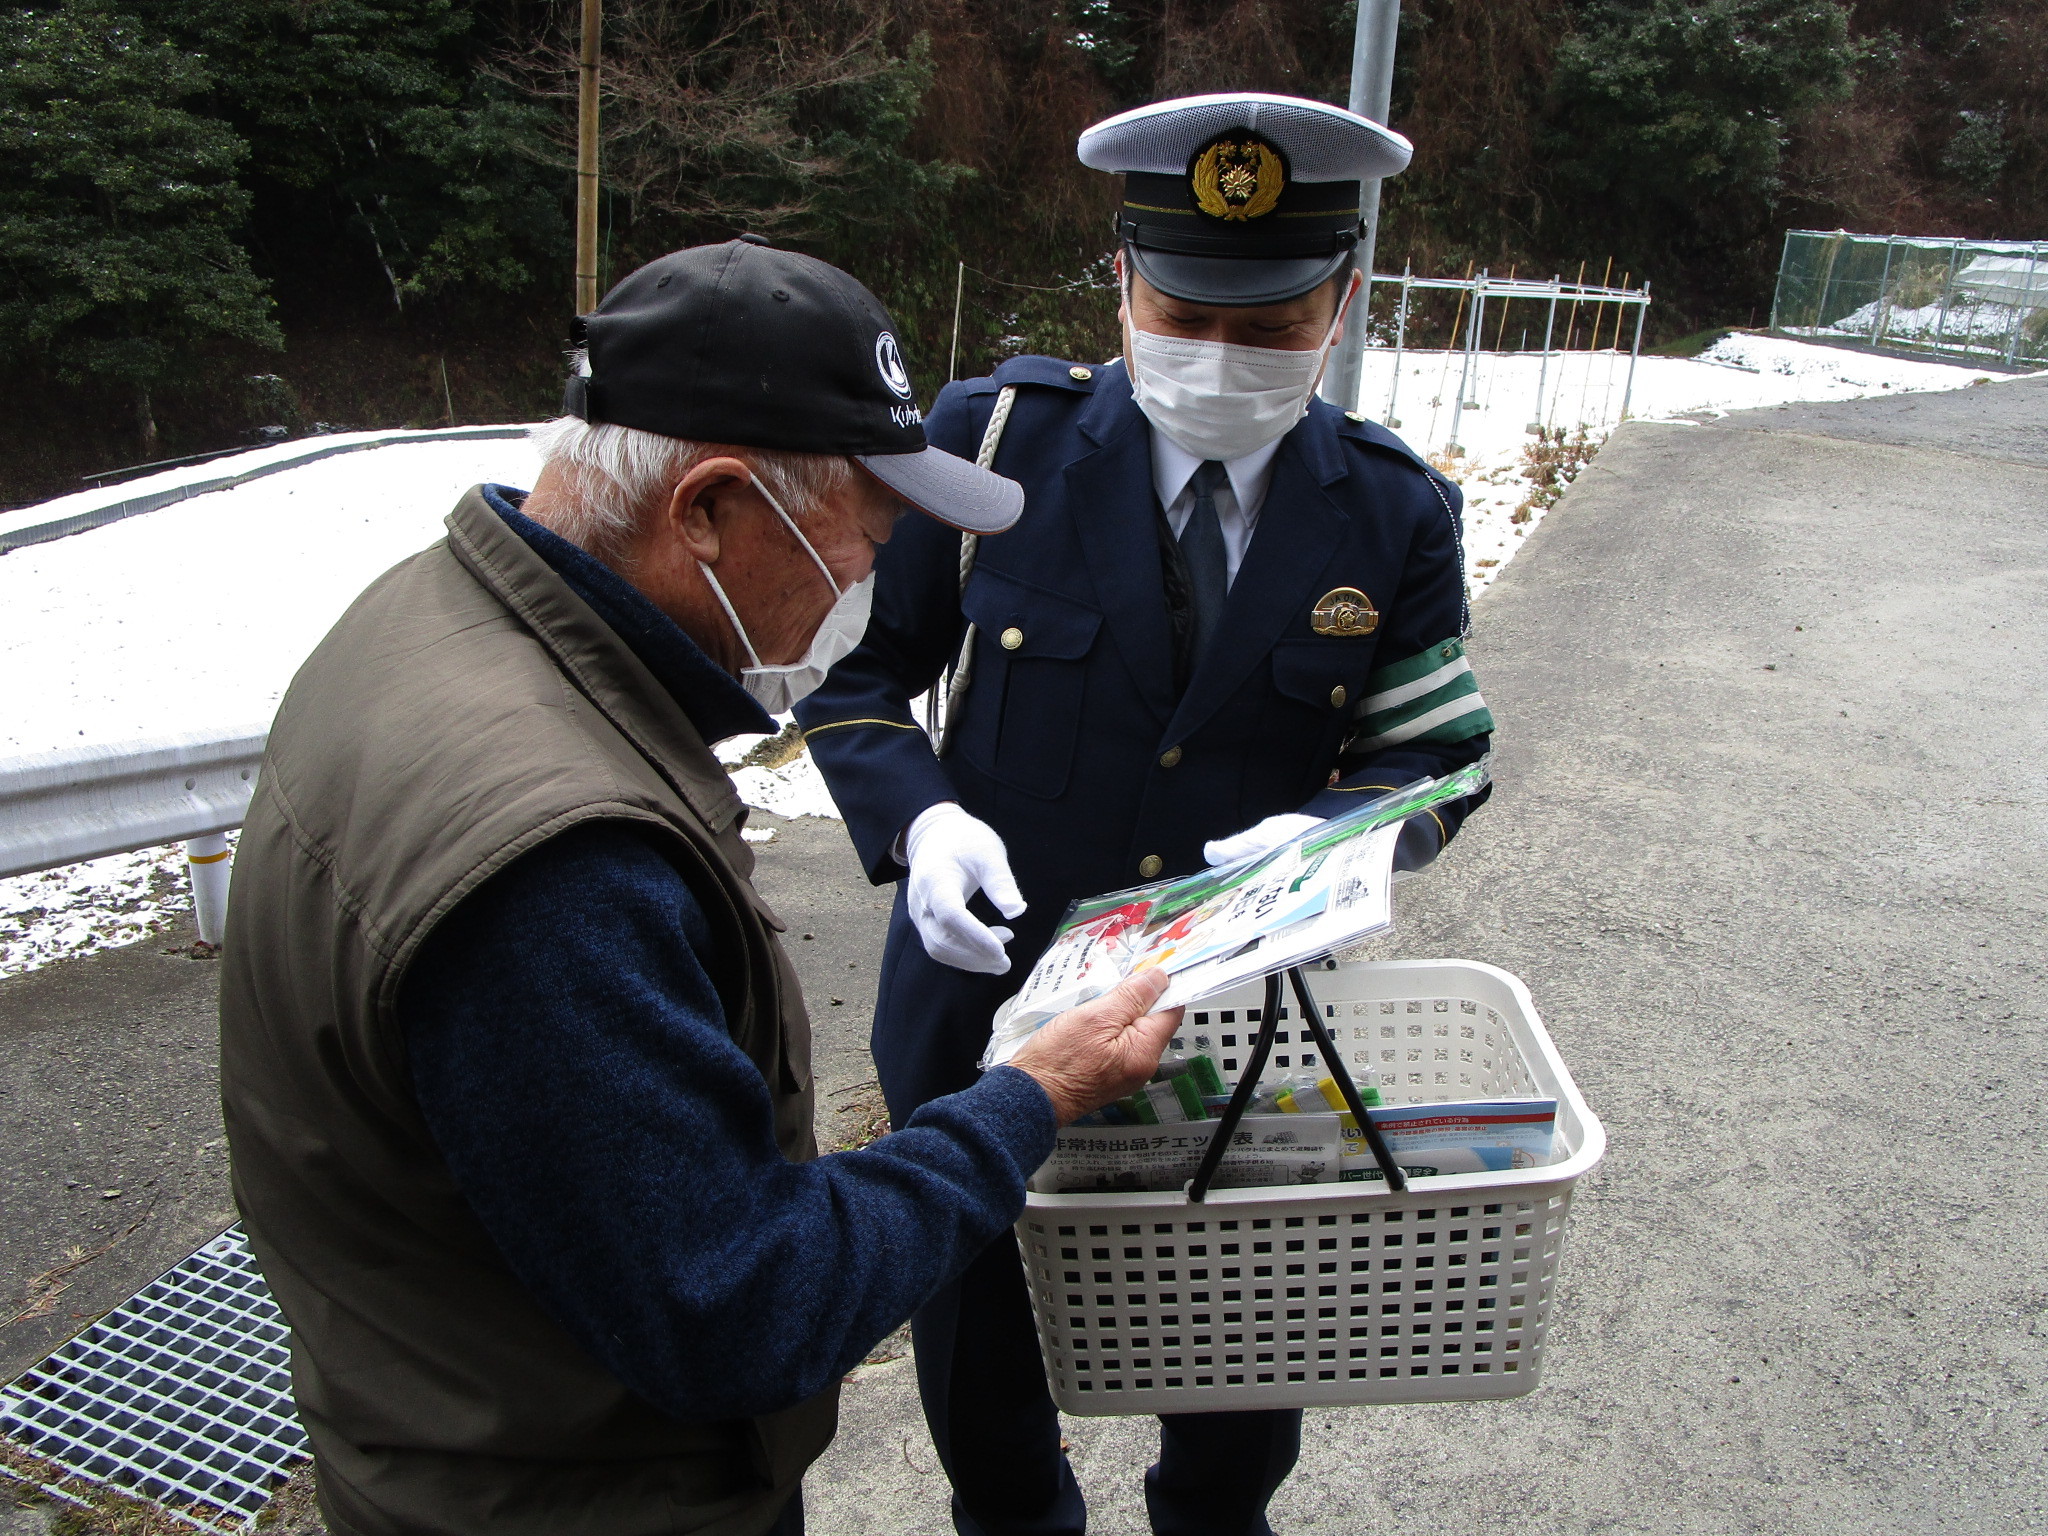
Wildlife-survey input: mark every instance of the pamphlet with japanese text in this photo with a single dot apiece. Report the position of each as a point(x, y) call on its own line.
point(1326, 888)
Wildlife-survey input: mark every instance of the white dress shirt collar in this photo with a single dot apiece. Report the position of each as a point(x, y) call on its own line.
point(1173, 466)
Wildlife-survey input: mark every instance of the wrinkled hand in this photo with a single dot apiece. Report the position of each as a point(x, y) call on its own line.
point(951, 856)
point(1253, 841)
point(1091, 1055)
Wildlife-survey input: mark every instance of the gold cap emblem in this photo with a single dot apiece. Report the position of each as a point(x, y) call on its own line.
point(1344, 611)
point(1238, 178)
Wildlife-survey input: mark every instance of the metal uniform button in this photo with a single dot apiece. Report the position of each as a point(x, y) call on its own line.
point(1338, 696)
point(1354, 415)
point(1170, 757)
point(1082, 374)
point(1012, 638)
point(1150, 865)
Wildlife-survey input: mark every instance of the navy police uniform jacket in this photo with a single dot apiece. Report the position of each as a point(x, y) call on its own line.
point(1073, 741)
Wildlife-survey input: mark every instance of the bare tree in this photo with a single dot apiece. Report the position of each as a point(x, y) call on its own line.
point(710, 105)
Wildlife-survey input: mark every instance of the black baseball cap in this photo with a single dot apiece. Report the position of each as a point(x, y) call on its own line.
point(745, 344)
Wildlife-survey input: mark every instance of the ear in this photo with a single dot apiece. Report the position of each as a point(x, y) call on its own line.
point(701, 503)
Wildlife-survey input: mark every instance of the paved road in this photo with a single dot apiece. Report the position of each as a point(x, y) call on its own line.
point(1768, 847)
point(110, 1124)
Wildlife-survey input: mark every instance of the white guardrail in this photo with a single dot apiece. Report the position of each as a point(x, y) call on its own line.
point(79, 803)
point(63, 807)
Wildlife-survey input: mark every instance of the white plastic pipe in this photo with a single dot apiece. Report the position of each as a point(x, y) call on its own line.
point(206, 861)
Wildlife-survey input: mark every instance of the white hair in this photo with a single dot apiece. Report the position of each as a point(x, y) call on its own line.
point(618, 475)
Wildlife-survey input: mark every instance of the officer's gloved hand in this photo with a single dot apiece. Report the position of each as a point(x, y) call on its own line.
point(1253, 841)
point(1421, 841)
point(951, 856)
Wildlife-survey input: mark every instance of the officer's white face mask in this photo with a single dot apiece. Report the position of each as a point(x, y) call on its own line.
point(1219, 400)
point(778, 688)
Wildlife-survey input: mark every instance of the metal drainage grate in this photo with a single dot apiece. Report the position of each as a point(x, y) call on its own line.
point(182, 1395)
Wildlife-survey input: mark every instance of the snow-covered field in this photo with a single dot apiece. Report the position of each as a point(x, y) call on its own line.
point(197, 615)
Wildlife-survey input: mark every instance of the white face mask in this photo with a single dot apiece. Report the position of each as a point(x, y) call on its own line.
point(777, 688)
point(1219, 400)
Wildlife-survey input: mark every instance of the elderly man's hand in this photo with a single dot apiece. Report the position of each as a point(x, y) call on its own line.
point(1102, 1050)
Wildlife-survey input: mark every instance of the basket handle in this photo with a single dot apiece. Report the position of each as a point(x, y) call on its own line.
point(1397, 1179)
point(1248, 1087)
point(1241, 1097)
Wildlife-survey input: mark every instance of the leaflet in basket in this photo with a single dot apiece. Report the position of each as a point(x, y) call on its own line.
point(1329, 887)
point(1304, 1146)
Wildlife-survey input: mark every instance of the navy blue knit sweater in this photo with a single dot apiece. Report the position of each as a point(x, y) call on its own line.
point(572, 1060)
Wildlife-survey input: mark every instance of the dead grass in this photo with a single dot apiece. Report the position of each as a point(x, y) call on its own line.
point(84, 1508)
point(858, 1118)
point(1550, 464)
point(296, 1510)
point(786, 746)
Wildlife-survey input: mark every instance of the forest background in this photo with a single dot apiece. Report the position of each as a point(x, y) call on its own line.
point(221, 216)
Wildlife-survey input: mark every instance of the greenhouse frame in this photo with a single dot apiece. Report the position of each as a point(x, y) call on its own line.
point(1983, 302)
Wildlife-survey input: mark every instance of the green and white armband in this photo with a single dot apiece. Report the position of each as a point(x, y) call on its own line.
point(1431, 696)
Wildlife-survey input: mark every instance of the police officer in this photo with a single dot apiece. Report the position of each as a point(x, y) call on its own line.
point(1229, 609)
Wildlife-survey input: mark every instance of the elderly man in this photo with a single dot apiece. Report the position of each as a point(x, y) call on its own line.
point(1229, 609)
point(516, 1072)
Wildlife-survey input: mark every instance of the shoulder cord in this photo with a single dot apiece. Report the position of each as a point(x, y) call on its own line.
point(961, 673)
point(1458, 543)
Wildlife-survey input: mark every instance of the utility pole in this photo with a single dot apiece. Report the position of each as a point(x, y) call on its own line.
point(586, 158)
point(1372, 95)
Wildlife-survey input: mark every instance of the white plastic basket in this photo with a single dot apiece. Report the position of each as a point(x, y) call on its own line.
point(1334, 1293)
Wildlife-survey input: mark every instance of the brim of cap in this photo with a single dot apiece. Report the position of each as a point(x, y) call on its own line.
point(949, 488)
point(1235, 282)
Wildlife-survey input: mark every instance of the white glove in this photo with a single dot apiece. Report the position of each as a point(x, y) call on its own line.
point(951, 856)
point(1253, 841)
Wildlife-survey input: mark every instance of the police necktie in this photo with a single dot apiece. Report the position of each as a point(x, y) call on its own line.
point(1201, 546)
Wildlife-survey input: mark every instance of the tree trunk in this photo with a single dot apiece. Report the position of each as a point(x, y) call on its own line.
point(145, 423)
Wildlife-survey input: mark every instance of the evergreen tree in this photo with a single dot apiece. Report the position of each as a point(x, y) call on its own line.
point(1670, 118)
point(378, 120)
point(118, 208)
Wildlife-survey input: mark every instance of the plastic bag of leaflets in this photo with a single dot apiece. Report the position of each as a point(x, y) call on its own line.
point(1296, 1130)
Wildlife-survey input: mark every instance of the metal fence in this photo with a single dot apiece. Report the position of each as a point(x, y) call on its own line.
point(59, 808)
point(1573, 317)
point(1982, 302)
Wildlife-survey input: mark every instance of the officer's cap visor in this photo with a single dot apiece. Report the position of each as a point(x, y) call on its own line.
point(942, 485)
point(1235, 282)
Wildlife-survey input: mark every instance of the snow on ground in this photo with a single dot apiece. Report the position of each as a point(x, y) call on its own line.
point(62, 913)
point(1958, 323)
point(789, 788)
point(198, 614)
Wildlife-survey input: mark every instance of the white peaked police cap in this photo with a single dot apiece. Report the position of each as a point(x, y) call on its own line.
point(1243, 199)
point(1321, 142)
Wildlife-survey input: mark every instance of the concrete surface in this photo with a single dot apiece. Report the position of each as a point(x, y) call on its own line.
point(1768, 847)
point(108, 1083)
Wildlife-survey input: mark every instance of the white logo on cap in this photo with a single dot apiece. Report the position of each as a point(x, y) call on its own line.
point(889, 364)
